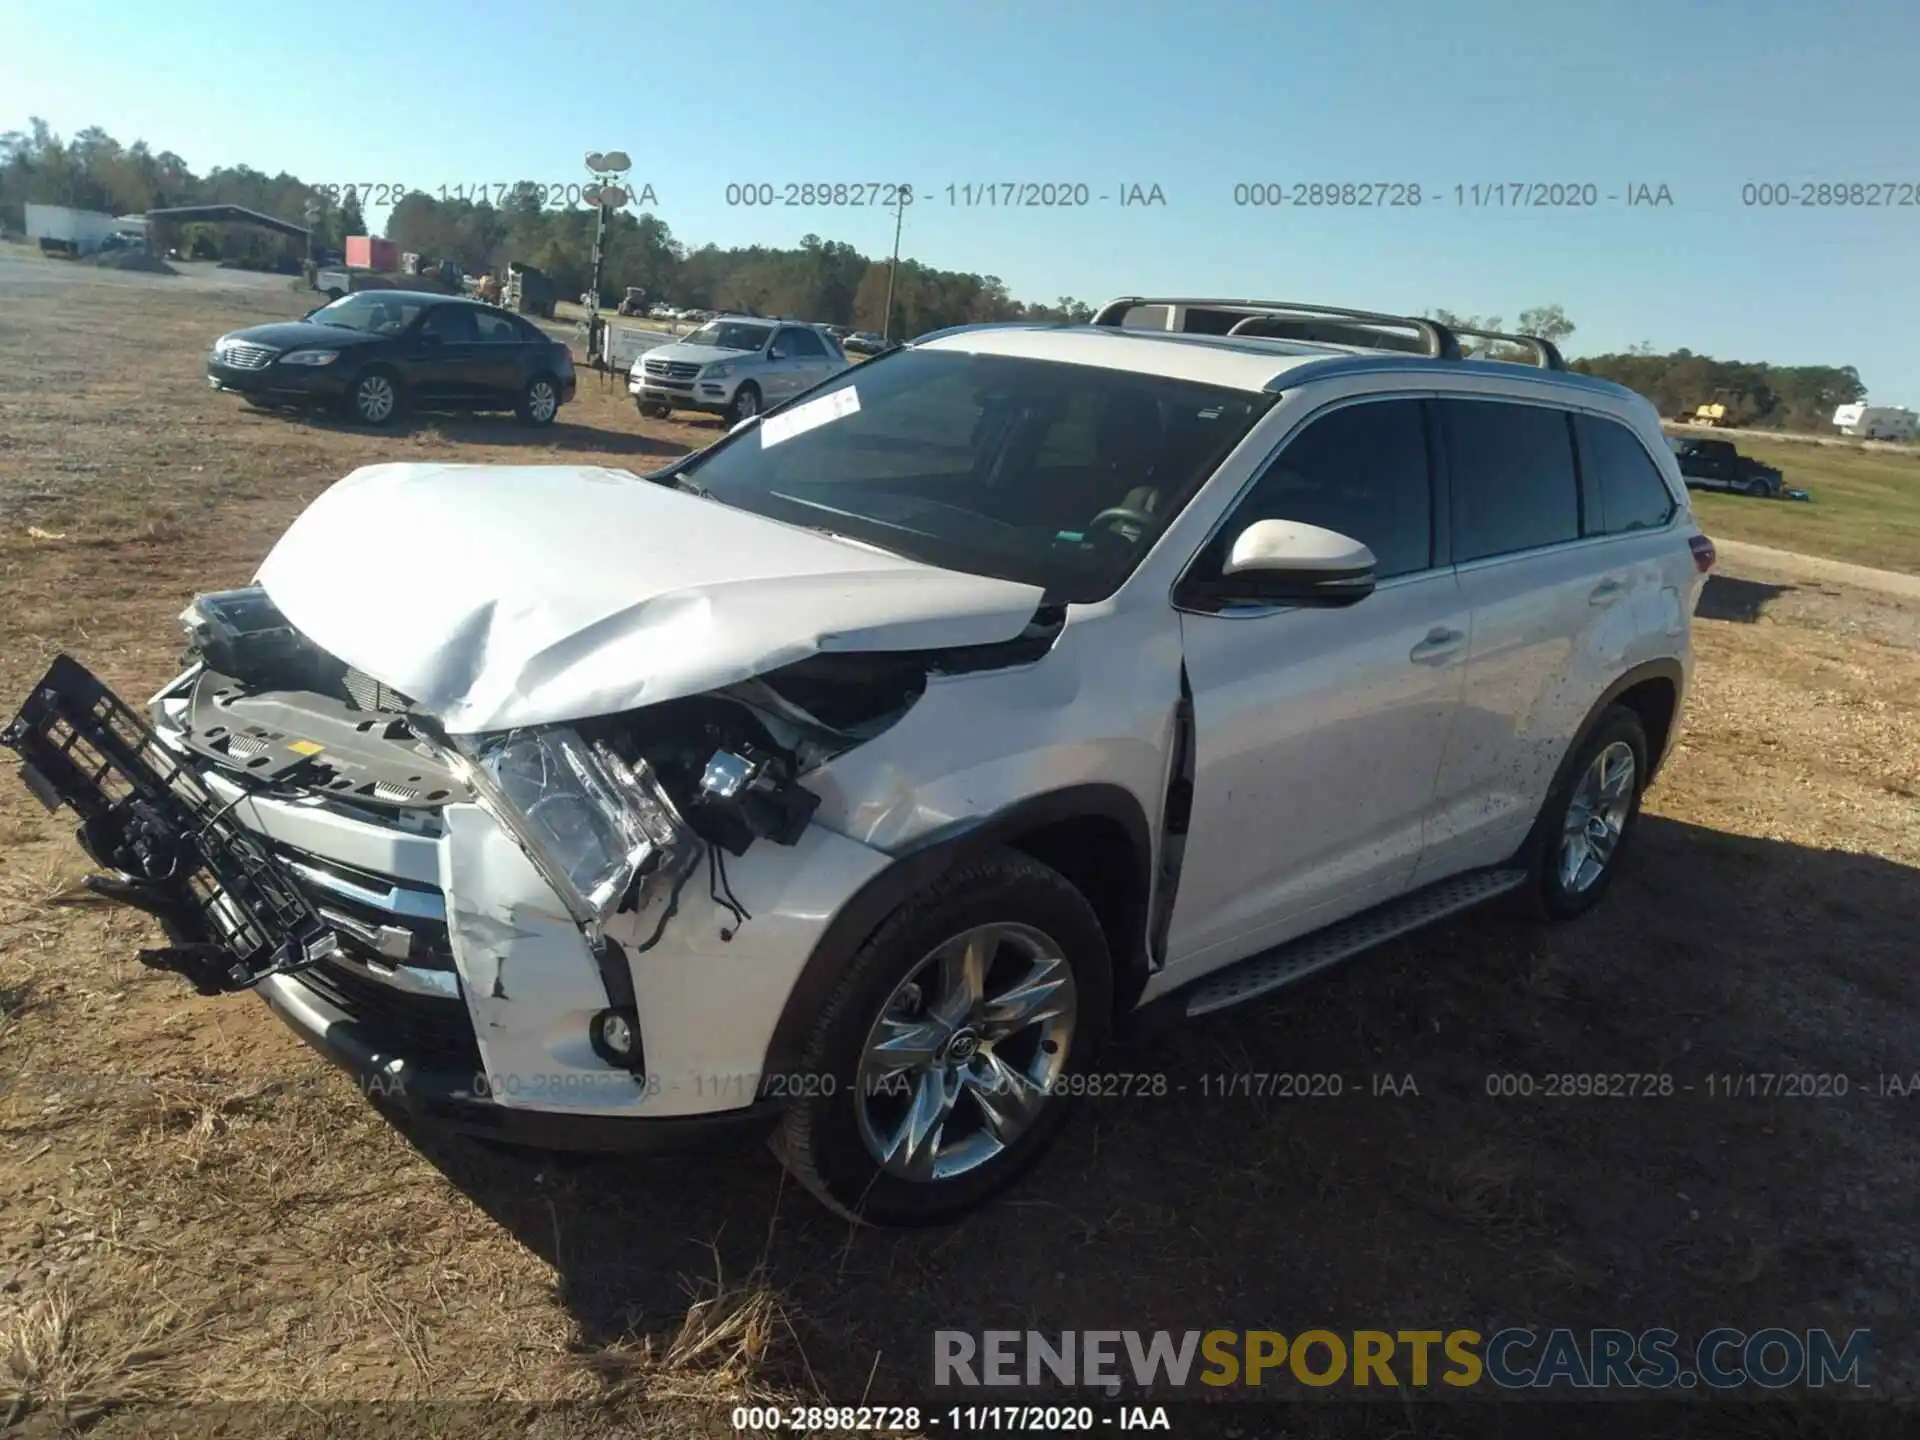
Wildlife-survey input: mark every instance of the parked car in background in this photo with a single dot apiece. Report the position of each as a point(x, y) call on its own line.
point(374, 354)
point(864, 342)
point(735, 366)
point(1718, 465)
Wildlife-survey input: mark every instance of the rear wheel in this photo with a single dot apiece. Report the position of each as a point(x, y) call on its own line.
point(1759, 488)
point(1586, 823)
point(940, 1069)
point(539, 402)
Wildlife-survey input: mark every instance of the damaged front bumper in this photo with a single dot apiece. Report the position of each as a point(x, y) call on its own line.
point(430, 956)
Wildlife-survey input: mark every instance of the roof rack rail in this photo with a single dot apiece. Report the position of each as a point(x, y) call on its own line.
point(1433, 338)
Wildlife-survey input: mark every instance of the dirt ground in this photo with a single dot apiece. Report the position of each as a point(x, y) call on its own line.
point(195, 1209)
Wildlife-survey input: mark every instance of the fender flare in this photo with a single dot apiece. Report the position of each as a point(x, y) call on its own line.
point(915, 866)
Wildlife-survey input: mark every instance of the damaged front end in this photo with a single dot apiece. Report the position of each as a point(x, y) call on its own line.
point(514, 910)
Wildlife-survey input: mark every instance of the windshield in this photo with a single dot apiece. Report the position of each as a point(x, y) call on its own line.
point(369, 312)
point(1059, 476)
point(730, 335)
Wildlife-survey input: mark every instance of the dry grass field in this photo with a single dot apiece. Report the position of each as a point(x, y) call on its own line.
point(195, 1210)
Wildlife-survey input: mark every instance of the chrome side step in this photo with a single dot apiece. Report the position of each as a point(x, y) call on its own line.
point(1256, 975)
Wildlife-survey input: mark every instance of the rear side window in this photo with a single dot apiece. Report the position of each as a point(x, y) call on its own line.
point(498, 328)
point(1624, 489)
point(1510, 467)
point(1360, 470)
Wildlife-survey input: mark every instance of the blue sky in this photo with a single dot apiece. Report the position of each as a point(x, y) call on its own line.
point(1192, 97)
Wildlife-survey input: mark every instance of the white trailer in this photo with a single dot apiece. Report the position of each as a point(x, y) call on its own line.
point(62, 227)
point(1877, 422)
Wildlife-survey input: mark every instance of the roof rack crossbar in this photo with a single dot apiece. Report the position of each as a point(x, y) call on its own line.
point(1438, 339)
point(1441, 340)
point(1545, 353)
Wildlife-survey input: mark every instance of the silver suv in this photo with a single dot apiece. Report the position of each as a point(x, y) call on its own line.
point(861, 773)
point(734, 366)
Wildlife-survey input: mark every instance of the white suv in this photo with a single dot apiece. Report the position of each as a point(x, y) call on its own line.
point(735, 366)
point(857, 776)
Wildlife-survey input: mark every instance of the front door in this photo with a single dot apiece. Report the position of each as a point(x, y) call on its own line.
point(1318, 733)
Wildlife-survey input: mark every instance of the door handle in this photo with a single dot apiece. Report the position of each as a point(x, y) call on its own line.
point(1606, 592)
point(1439, 644)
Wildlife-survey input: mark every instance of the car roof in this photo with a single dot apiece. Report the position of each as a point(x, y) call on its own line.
point(1236, 362)
point(432, 296)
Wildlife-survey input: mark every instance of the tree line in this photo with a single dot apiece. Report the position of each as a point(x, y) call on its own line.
point(822, 280)
point(827, 281)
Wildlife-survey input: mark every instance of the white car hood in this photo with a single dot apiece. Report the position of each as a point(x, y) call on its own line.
point(498, 596)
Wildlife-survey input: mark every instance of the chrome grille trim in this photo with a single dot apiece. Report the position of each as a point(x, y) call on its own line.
point(413, 904)
point(248, 357)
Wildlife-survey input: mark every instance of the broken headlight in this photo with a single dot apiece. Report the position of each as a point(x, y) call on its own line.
point(593, 823)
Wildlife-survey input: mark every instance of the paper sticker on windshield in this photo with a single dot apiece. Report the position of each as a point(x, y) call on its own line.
point(810, 416)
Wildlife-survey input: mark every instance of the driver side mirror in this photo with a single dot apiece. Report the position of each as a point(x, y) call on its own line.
point(774, 352)
point(1288, 562)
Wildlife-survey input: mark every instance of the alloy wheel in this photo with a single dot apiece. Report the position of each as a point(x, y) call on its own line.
point(966, 1052)
point(374, 399)
point(541, 401)
point(1596, 817)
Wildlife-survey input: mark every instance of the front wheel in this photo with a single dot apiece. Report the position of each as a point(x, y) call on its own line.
point(654, 410)
point(539, 402)
point(942, 1065)
point(375, 398)
point(1759, 488)
point(746, 404)
point(1586, 823)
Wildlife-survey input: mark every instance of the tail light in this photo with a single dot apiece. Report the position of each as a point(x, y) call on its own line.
point(1703, 552)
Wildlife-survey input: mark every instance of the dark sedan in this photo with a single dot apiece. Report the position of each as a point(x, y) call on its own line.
point(374, 354)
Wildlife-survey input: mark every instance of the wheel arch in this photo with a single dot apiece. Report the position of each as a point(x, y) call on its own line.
point(1653, 691)
point(1095, 835)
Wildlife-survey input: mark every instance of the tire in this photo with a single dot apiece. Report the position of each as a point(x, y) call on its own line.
point(1758, 488)
point(745, 403)
point(364, 399)
point(539, 401)
point(1559, 889)
point(835, 1132)
point(653, 409)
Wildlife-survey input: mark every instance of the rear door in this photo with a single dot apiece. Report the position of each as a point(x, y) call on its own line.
point(1571, 580)
point(509, 349)
point(1319, 733)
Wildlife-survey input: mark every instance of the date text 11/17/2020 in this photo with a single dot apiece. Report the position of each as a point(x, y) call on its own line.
point(638, 194)
point(970, 195)
point(1489, 195)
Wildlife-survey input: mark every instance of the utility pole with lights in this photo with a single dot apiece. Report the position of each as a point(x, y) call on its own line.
point(603, 193)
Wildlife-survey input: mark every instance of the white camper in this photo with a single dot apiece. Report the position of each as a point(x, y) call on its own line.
point(1876, 422)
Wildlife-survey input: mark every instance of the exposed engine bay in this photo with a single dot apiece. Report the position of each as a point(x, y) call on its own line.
point(269, 705)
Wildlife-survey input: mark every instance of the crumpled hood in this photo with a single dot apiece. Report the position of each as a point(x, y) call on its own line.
point(503, 595)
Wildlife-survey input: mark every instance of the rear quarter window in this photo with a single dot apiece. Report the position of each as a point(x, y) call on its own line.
point(1624, 487)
